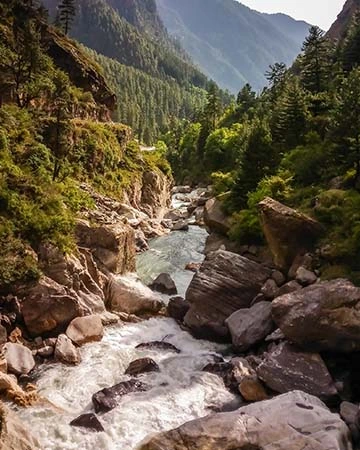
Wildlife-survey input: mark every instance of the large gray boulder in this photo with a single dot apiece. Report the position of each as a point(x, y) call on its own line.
point(293, 421)
point(287, 231)
point(250, 326)
point(85, 329)
point(324, 316)
point(287, 368)
point(19, 358)
point(225, 283)
point(66, 352)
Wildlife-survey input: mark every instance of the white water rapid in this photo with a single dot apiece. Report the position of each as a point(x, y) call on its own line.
point(180, 391)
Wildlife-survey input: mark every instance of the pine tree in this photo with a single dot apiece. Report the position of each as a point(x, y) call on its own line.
point(246, 99)
point(315, 63)
point(350, 51)
point(67, 13)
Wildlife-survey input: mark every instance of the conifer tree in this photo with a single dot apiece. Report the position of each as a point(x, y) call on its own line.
point(350, 52)
point(67, 13)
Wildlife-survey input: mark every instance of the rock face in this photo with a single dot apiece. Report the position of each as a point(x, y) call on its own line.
point(65, 351)
point(165, 284)
point(288, 232)
point(85, 329)
point(286, 368)
point(250, 326)
point(48, 308)
point(124, 294)
point(19, 358)
point(225, 283)
point(155, 194)
point(108, 398)
point(214, 217)
point(324, 316)
point(142, 365)
point(113, 245)
point(291, 421)
point(339, 27)
point(13, 434)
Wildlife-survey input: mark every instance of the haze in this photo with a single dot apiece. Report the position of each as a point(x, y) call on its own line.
point(317, 12)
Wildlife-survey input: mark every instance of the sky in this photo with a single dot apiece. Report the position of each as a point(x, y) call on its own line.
point(316, 12)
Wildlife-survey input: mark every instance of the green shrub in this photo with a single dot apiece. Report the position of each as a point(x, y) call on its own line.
point(222, 182)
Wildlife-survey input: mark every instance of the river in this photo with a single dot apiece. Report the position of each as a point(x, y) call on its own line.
point(180, 391)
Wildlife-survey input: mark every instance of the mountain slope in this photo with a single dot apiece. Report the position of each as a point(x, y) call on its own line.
point(230, 42)
point(338, 28)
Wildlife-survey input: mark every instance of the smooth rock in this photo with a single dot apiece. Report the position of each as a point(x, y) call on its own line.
point(270, 289)
point(214, 217)
point(225, 283)
point(180, 225)
point(324, 316)
point(45, 352)
point(130, 296)
point(250, 326)
point(89, 421)
point(177, 308)
point(249, 385)
point(65, 351)
point(286, 368)
point(289, 287)
point(109, 398)
point(164, 284)
point(288, 232)
point(293, 421)
point(85, 329)
point(278, 277)
point(19, 358)
point(305, 276)
point(140, 366)
point(48, 308)
point(159, 345)
point(350, 415)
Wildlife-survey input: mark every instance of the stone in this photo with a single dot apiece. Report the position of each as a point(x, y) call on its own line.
point(19, 358)
point(324, 316)
point(177, 308)
point(291, 421)
point(181, 190)
point(66, 352)
point(350, 415)
point(158, 345)
point(225, 283)
point(278, 277)
point(48, 308)
point(270, 289)
point(224, 370)
point(3, 335)
point(140, 366)
point(249, 385)
point(193, 267)
point(305, 277)
point(180, 225)
point(214, 217)
point(109, 398)
point(286, 368)
point(82, 330)
point(305, 261)
point(176, 214)
point(127, 295)
point(88, 421)
point(288, 232)
point(164, 284)
point(250, 326)
point(112, 245)
point(289, 287)
point(277, 335)
point(45, 352)
point(14, 435)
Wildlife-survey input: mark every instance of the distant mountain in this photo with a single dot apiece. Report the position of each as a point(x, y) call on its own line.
point(230, 42)
point(338, 28)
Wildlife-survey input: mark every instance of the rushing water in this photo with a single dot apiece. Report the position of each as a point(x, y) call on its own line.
point(180, 391)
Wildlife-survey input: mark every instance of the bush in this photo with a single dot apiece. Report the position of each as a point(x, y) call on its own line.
point(222, 182)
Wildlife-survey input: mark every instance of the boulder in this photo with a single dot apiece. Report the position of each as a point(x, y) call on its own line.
point(48, 308)
point(291, 421)
point(45, 352)
point(249, 385)
point(278, 277)
point(88, 421)
point(112, 245)
point(324, 316)
point(14, 435)
point(286, 368)
point(224, 370)
point(108, 398)
point(350, 415)
point(181, 190)
point(140, 366)
point(288, 232)
point(214, 217)
point(270, 289)
point(65, 351)
point(158, 345)
point(155, 193)
point(193, 266)
point(305, 277)
point(225, 283)
point(128, 295)
point(19, 358)
point(177, 308)
point(85, 329)
point(291, 286)
point(164, 284)
point(250, 326)
point(180, 225)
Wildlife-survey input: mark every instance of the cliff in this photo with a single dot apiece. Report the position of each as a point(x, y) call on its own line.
point(338, 28)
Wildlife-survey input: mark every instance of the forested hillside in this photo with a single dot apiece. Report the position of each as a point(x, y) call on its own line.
point(155, 81)
point(231, 43)
point(297, 142)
